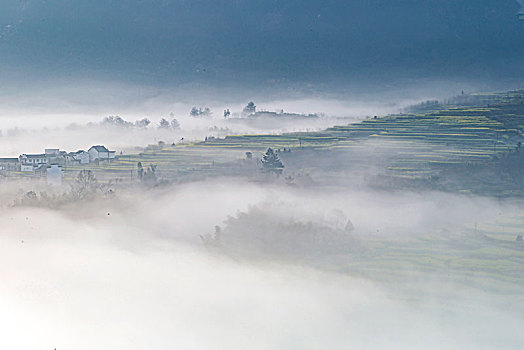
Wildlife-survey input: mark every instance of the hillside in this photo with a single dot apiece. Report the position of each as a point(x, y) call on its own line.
point(434, 150)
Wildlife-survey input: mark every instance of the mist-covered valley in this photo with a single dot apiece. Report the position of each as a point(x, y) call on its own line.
point(134, 270)
point(261, 174)
point(357, 233)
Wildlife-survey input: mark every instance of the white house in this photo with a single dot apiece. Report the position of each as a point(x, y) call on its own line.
point(28, 162)
point(81, 156)
point(26, 168)
point(99, 153)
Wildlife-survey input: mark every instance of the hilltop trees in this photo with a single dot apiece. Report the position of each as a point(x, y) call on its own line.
point(119, 122)
point(271, 163)
point(116, 121)
point(164, 124)
point(200, 112)
point(250, 108)
point(175, 125)
point(142, 123)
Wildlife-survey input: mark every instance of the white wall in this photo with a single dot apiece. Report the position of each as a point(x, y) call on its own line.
point(93, 154)
point(54, 175)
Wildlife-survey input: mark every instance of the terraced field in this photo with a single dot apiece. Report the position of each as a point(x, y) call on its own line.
point(172, 162)
point(417, 146)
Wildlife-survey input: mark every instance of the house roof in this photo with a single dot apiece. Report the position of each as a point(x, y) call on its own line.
point(99, 148)
point(34, 155)
point(8, 160)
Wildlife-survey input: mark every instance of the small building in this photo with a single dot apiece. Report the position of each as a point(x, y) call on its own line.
point(80, 156)
point(9, 164)
point(28, 162)
point(50, 152)
point(55, 156)
point(100, 153)
point(40, 171)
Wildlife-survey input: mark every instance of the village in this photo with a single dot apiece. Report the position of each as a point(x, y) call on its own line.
point(50, 164)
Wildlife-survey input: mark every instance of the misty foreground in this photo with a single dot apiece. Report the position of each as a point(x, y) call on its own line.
point(397, 232)
point(288, 267)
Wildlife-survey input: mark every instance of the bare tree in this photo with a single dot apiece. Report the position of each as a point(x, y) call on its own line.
point(84, 185)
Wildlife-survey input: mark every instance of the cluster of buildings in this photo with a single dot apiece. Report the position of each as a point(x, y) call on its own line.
point(50, 162)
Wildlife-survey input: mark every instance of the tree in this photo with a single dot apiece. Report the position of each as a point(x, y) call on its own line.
point(199, 112)
point(164, 124)
point(84, 185)
point(142, 123)
point(175, 124)
point(116, 121)
point(271, 163)
point(149, 176)
point(250, 108)
point(140, 170)
point(195, 112)
point(213, 240)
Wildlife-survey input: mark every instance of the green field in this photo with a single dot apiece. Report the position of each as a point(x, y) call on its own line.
point(486, 258)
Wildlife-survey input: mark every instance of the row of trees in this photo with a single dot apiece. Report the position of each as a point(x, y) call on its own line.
point(165, 124)
point(119, 122)
point(200, 112)
point(249, 109)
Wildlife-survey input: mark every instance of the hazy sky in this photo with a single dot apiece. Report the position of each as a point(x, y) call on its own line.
point(260, 41)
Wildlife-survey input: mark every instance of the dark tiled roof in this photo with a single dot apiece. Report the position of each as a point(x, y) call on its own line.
point(100, 148)
point(35, 155)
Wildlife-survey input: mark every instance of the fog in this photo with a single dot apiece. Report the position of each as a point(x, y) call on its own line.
point(210, 252)
point(68, 115)
point(65, 113)
point(145, 268)
point(131, 272)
